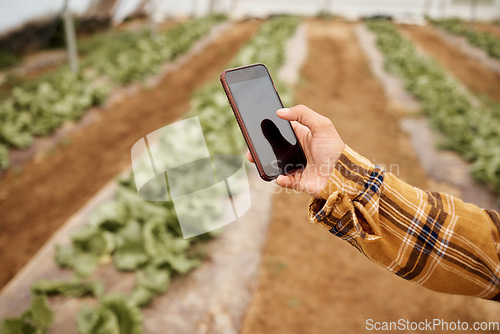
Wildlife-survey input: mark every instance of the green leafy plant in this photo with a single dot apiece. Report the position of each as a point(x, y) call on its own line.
point(145, 237)
point(40, 108)
point(74, 288)
point(472, 131)
point(133, 57)
point(482, 39)
point(4, 157)
point(7, 59)
point(114, 314)
point(35, 320)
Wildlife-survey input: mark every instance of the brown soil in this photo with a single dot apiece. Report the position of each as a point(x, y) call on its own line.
point(488, 27)
point(310, 281)
point(474, 75)
point(36, 201)
point(41, 62)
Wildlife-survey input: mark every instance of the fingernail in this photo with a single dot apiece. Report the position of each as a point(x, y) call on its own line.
point(283, 110)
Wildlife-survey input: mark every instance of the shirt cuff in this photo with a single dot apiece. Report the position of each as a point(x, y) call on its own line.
point(349, 181)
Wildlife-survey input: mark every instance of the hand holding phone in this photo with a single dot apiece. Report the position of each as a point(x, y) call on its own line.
point(322, 146)
point(270, 139)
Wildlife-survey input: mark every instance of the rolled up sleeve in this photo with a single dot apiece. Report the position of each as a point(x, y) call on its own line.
point(430, 238)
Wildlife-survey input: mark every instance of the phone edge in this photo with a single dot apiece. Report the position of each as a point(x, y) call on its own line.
point(243, 130)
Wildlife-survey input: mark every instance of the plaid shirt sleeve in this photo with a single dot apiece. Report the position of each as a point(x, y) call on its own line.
point(429, 238)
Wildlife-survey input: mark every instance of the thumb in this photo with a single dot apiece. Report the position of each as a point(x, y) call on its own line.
point(305, 116)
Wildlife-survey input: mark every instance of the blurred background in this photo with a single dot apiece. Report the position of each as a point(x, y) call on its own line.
point(411, 85)
point(15, 14)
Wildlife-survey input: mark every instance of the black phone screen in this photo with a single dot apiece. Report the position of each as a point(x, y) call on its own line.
point(273, 139)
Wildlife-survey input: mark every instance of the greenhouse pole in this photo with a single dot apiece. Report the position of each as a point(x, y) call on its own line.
point(211, 7)
point(427, 8)
point(194, 4)
point(234, 5)
point(328, 6)
point(473, 11)
point(153, 29)
point(70, 38)
point(443, 9)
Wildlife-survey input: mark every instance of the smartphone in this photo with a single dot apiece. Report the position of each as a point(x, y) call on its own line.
point(270, 139)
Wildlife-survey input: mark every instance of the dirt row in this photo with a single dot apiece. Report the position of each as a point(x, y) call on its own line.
point(493, 29)
point(311, 281)
point(38, 199)
point(478, 78)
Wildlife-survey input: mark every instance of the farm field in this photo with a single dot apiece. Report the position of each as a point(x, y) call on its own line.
point(478, 78)
point(47, 191)
point(488, 27)
point(309, 281)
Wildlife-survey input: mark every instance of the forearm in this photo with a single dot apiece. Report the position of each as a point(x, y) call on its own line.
point(432, 239)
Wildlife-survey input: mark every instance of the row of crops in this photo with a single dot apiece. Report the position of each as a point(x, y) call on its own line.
point(145, 237)
point(472, 131)
point(41, 108)
point(482, 39)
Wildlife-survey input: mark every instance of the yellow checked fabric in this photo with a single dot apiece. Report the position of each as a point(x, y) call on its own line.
point(429, 238)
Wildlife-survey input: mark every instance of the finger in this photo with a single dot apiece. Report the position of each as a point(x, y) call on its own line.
point(306, 116)
point(249, 157)
point(299, 129)
point(290, 181)
point(286, 181)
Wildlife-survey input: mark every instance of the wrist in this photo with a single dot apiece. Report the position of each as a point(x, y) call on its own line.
point(349, 175)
